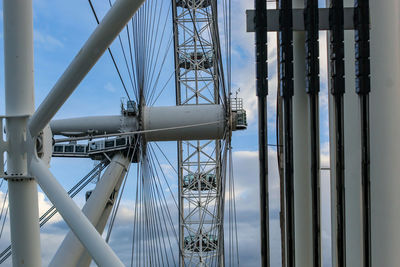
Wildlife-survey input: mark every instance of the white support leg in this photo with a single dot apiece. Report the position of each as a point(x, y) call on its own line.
point(73, 216)
point(385, 132)
point(71, 249)
point(301, 157)
point(19, 89)
point(108, 29)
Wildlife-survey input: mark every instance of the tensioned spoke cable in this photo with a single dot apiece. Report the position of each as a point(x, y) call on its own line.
point(165, 85)
point(4, 222)
point(161, 194)
point(134, 74)
point(4, 203)
point(152, 84)
point(111, 54)
point(166, 158)
point(156, 208)
point(116, 207)
point(125, 58)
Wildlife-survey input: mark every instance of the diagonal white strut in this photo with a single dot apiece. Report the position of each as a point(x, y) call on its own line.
point(73, 216)
point(71, 249)
point(108, 29)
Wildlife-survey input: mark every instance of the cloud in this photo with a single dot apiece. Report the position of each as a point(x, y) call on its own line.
point(110, 88)
point(46, 40)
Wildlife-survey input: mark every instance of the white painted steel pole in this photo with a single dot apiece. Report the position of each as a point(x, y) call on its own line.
point(301, 153)
point(352, 152)
point(19, 90)
point(71, 249)
point(332, 163)
point(385, 132)
point(93, 49)
point(73, 216)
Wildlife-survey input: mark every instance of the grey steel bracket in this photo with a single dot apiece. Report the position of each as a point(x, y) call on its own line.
point(3, 147)
point(298, 19)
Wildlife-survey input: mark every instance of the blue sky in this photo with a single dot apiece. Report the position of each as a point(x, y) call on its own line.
point(62, 27)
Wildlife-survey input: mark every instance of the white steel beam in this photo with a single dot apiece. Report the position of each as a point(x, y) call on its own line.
point(186, 122)
point(93, 49)
point(352, 150)
point(385, 132)
point(73, 216)
point(19, 96)
point(86, 259)
point(71, 249)
point(301, 154)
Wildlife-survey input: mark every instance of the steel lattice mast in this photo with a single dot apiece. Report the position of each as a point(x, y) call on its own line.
point(199, 162)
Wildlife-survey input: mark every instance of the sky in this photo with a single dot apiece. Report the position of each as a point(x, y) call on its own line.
point(62, 27)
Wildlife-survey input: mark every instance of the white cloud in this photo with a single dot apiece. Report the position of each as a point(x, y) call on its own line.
point(46, 40)
point(110, 88)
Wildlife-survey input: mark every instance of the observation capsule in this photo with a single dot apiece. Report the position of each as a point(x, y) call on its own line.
point(202, 181)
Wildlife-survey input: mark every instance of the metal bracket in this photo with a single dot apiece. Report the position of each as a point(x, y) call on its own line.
point(3, 148)
point(298, 19)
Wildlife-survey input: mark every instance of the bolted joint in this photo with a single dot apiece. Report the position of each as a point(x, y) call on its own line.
point(21, 147)
point(19, 143)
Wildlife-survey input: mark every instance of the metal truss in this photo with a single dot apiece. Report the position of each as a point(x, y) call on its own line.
point(199, 162)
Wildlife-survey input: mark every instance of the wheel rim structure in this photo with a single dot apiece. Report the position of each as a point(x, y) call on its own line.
point(197, 83)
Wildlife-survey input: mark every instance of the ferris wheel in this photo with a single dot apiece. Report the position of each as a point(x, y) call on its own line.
point(201, 121)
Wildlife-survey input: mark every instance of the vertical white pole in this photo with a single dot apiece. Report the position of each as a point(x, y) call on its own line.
point(352, 152)
point(332, 162)
point(19, 90)
point(385, 132)
point(301, 150)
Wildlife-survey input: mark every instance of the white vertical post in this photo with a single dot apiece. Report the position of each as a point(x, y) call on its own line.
point(352, 155)
point(301, 153)
point(385, 132)
point(332, 163)
point(19, 90)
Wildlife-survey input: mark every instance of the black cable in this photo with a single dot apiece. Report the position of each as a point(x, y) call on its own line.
point(337, 72)
point(363, 88)
point(312, 88)
point(111, 54)
point(262, 92)
point(286, 80)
